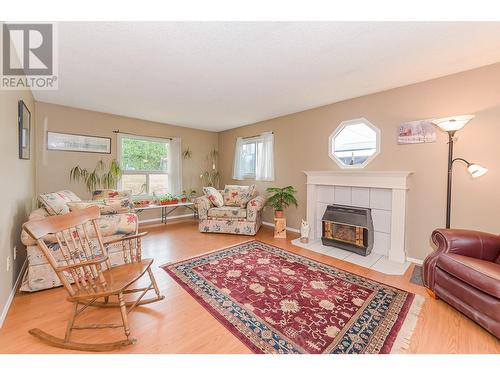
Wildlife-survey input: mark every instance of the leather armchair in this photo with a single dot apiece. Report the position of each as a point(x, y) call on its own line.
point(464, 271)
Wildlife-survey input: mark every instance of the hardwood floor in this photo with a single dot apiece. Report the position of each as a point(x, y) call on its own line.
point(178, 324)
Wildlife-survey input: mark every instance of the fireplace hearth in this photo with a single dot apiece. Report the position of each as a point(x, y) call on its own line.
point(349, 228)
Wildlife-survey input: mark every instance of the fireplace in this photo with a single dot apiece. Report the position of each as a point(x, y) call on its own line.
point(349, 228)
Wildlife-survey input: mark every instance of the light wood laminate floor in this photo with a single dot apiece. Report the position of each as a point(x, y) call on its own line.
point(178, 324)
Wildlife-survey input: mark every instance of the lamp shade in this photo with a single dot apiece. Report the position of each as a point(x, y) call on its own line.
point(476, 170)
point(454, 123)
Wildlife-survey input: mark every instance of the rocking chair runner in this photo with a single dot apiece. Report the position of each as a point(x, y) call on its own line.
point(87, 273)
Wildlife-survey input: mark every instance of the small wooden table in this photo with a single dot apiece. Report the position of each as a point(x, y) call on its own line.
point(279, 227)
point(167, 209)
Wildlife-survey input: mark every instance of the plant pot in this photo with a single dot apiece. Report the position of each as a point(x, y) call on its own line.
point(184, 200)
point(141, 204)
point(163, 203)
point(278, 214)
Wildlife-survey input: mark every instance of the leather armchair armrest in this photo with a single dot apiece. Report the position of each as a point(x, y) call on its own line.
point(474, 244)
point(203, 204)
point(469, 243)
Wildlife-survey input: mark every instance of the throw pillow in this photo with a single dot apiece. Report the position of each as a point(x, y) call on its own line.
point(55, 203)
point(214, 196)
point(238, 196)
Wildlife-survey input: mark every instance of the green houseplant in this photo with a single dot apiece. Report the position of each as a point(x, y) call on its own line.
point(101, 177)
point(281, 198)
point(167, 199)
point(189, 193)
point(211, 176)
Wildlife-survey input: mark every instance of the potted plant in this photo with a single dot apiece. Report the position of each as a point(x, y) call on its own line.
point(173, 199)
point(100, 177)
point(183, 198)
point(168, 199)
point(281, 198)
point(164, 199)
point(141, 203)
point(189, 194)
point(211, 176)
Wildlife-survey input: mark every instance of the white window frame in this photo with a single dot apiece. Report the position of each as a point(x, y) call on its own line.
point(264, 157)
point(138, 172)
point(246, 141)
point(341, 127)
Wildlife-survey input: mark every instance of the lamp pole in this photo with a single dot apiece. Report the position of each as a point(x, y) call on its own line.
point(451, 134)
point(451, 125)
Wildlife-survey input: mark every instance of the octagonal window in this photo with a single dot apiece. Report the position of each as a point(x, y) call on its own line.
point(354, 143)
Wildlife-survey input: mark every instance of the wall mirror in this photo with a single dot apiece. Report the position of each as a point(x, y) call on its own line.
point(354, 143)
point(24, 128)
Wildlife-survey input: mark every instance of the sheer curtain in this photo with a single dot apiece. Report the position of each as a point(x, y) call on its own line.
point(174, 166)
point(264, 169)
point(237, 171)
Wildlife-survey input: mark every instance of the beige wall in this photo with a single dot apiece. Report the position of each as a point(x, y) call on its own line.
point(17, 188)
point(53, 167)
point(301, 142)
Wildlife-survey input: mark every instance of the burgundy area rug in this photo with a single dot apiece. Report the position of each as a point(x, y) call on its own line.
point(275, 301)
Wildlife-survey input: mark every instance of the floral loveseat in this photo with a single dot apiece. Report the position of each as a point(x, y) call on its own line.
point(234, 215)
point(117, 220)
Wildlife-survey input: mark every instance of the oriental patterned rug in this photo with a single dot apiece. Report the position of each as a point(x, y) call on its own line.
point(276, 301)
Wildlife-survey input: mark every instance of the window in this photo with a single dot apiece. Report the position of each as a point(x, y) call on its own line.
point(248, 158)
point(354, 143)
point(254, 158)
point(150, 165)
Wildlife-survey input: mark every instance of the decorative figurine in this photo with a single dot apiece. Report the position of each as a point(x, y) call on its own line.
point(304, 231)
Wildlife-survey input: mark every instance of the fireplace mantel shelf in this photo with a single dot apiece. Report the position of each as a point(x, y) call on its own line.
point(370, 187)
point(375, 179)
point(358, 173)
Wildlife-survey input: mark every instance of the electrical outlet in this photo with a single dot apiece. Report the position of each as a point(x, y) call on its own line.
point(8, 263)
point(15, 252)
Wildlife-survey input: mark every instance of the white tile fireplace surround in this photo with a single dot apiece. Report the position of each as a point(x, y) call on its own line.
point(383, 192)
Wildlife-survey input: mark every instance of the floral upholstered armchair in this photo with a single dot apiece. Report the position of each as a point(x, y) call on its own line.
point(117, 220)
point(236, 209)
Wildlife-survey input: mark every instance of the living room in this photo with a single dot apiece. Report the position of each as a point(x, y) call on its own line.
point(251, 187)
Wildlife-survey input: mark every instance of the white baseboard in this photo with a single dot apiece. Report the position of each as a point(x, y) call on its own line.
point(169, 218)
point(415, 260)
point(290, 229)
point(13, 292)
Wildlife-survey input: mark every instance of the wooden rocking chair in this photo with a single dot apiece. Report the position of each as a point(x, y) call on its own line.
point(87, 273)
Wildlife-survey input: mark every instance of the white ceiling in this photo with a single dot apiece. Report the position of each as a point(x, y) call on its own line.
point(221, 75)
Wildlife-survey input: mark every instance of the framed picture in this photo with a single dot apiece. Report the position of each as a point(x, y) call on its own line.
point(78, 143)
point(420, 131)
point(24, 126)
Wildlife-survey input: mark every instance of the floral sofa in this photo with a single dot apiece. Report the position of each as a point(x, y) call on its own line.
point(117, 220)
point(234, 216)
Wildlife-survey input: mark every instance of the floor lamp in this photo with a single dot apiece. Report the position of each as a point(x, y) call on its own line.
point(451, 125)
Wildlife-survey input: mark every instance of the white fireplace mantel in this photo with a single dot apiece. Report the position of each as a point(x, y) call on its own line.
point(375, 179)
point(366, 185)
